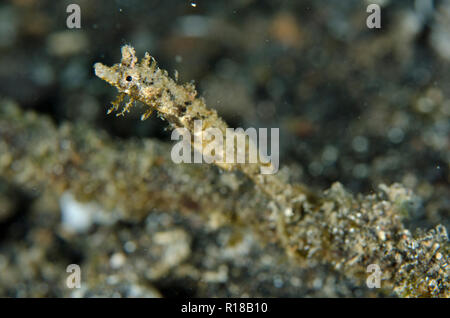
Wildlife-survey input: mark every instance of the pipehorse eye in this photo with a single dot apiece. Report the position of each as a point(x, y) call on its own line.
point(129, 78)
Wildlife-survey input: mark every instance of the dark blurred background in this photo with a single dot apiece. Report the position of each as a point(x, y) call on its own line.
point(356, 105)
